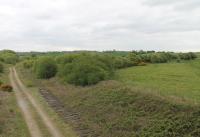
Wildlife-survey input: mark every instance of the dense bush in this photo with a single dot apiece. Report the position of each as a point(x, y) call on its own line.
point(187, 56)
point(159, 58)
point(27, 64)
point(1, 68)
point(9, 57)
point(113, 61)
point(45, 67)
point(1, 82)
point(66, 58)
point(146, 57)
point(85, 70)
point(134, 58)
point(122, 62)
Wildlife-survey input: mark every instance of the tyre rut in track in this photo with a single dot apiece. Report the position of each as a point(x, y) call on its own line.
point(67, 115)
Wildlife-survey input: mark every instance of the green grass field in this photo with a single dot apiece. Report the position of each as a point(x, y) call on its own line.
point(171, 79)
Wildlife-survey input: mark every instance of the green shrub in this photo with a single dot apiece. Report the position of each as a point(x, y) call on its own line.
point(158, 58)
point(121, 62)
point(134, 58)
point(178, 60)
point(66, 58)
point(1, 67)
point(27, 64)
point(187, 56)
point(85, 70)
point(1, 82)
point(193, 55)
point(45, 67)
point(9, 57)
point(1, 59)
point(146, 57)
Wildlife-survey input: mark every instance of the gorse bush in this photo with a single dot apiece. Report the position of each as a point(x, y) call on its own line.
point(85, 70)
point(45, 67)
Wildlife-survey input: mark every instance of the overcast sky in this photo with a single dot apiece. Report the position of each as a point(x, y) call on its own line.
point(46, 25)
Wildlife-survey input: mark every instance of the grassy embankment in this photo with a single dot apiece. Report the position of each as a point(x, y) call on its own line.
point(11, 121)
point(118, 109)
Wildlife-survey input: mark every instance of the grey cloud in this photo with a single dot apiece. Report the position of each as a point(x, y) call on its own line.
point(99, 25)
point(176, 4)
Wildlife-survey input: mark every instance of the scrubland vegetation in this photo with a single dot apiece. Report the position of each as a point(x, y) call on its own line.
point(90, 68)
point(117, 94)
point(124, 94)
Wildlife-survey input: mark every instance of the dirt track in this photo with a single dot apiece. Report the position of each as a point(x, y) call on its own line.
point(26, 103)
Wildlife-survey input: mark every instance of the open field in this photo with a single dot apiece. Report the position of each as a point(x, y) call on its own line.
point(171, 79)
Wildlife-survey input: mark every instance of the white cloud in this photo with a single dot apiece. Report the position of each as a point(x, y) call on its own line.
point(43, 25)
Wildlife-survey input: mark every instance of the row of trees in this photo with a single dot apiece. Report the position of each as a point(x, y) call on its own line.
point(90, 68)
point(159, 57)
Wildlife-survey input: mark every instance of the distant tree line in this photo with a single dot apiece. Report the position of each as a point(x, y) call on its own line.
point(159, 57)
